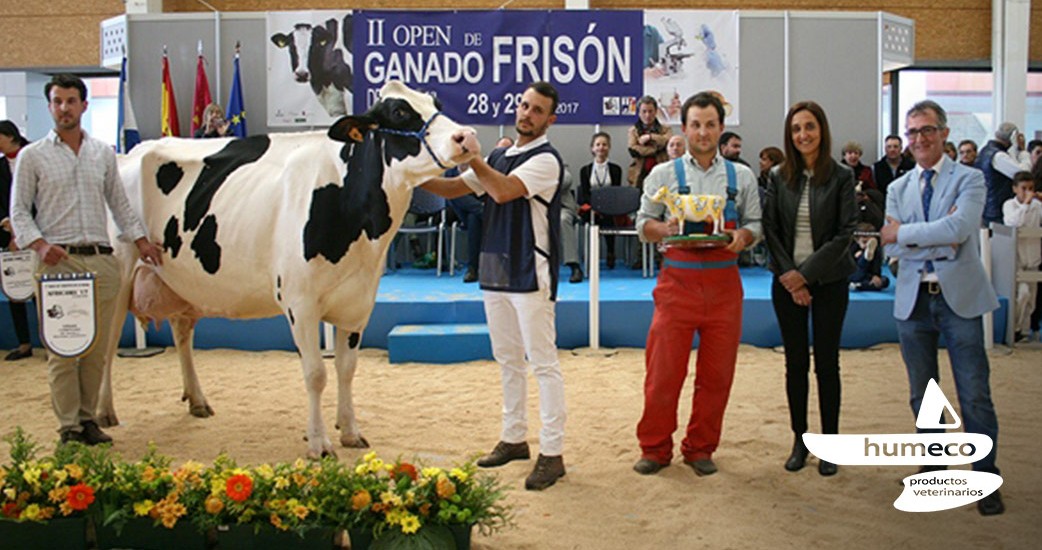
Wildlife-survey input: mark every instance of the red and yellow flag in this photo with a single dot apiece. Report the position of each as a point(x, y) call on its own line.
point(169, 109)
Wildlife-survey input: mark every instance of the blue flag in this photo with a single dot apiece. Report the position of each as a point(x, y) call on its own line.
point(127, 135)
point(236, 114)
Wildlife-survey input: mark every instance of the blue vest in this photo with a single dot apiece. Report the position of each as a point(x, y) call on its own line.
point(508, 244)
point(1000, 187)
point(730, 210)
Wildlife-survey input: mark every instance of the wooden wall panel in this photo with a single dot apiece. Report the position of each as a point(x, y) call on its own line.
point(65, 32)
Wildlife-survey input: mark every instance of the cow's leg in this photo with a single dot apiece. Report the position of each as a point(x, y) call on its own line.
point(305, 329)
point(347, 344)
point(183, 329)
point(105, 413)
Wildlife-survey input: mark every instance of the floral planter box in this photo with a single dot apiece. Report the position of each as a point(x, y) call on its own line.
point(142, 534)
point(248, 537)
point(362, 539)
point(64, 533)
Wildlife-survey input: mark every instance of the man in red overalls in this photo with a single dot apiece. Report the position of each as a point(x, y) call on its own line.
point(698, 290)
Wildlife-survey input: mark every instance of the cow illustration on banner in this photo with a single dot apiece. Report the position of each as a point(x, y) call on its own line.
point(309, 67)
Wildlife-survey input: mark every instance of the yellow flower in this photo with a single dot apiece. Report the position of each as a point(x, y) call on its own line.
point(299, 464)
point(388, 497)
point(410, 524)
point(265, 471)
point(143, 508)
point(214, 505)
point(431, 472)
point(300, 511)
point(369, 456)
point(10, 493)
point(60, 476)
point(459, 474)
point(31, 512)
point(281, 482)
point(3, 475)
point(74, 471)
point(362, 469)
point(31, 475)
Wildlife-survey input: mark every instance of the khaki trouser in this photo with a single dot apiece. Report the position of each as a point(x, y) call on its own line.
point(75, 382)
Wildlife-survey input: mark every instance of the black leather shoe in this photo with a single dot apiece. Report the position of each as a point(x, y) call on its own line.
point(577, 274)
point(702, 466)
point(827, 468)
point(991, 505)
point(798, 459)
point(504, 453)
point(646, 466)
point(548, 469)
point(18, 353)
point(471, 276)
point(93, 435)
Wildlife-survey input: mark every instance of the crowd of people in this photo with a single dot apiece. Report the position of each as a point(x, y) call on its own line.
point(828, 226)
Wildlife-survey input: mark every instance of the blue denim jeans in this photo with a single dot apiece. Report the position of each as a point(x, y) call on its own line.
point(930, 319)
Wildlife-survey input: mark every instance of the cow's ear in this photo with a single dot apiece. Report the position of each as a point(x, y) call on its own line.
point(280, 40)
point(351, 128)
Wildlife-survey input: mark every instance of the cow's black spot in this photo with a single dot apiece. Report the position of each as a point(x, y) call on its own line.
point(216, 169)
point(205, 245)
point(168, 176)
point(278, 281)
point(171, 239)
point(340, 214)
point(353, 339)
point(292, 320)
point(397, 114)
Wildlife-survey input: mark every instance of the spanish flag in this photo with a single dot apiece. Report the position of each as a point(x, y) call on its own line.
point(169, 110)
point(202, 93)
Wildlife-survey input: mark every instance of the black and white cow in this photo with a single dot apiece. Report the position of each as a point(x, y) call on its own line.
point(314, 57)
point(291, 224)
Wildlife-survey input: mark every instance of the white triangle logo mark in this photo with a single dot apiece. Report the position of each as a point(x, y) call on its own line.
point(933, 406)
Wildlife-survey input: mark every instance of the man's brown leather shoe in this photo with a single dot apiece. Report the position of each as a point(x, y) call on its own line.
point(93, 435)
point(548, 469)
point(505, 452)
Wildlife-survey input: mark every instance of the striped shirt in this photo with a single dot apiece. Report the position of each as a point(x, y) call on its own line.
point(70, 192)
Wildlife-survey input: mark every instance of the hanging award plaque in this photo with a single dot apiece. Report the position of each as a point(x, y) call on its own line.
point(68, 316)
point(17, 274)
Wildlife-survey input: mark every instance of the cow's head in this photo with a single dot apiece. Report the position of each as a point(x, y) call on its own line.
point(409, 128)
point(298, 42)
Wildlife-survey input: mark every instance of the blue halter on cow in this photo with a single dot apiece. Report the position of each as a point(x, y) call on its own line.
point(292, 224)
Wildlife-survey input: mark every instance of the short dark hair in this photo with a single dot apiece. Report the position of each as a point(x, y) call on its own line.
point(10, 130)
point(974, 144)
point(604, 135)
point(546, 89)
point(702, 100)
point(774, 154)
point(893, 136)
point(65, 81)
point(1034, 143)
point(649, 99)
point(1022, 175)
point(930, 105)
point(727, 136)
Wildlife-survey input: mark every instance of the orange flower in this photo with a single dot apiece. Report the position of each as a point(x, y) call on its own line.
point(425, 509)
point(404, 468)
point(239, 487)
point(360, 500)
point(80, 496)
point(213, 505)
point(445, 488)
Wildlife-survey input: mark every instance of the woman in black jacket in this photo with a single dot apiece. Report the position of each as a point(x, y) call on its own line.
point(11, 141)
point(809, 218)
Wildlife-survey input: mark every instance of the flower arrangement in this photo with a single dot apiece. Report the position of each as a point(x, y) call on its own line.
point(39, 489)
point(403, 497)
point(283, 495)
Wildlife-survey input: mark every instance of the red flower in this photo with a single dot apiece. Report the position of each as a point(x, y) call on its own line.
point(80, 496)
point(404, 468)
point(10, 510)
point(239, 487)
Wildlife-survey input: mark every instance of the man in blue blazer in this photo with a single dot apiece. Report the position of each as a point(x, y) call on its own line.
point(933, 224)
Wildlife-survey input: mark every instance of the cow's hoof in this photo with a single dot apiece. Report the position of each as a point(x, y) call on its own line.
point(326, 449)
point(354, 442)
point(201, 411)
point(107, 420)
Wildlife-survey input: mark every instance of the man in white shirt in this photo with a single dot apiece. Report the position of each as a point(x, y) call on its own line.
point(70, 177)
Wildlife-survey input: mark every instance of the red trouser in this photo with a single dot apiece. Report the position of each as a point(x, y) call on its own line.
point(706, 298)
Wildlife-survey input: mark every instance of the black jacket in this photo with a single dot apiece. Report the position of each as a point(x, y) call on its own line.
point(833, 218)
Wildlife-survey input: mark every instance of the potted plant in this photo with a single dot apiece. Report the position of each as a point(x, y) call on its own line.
point(43, 500)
